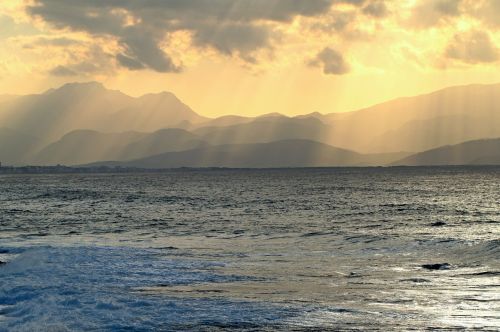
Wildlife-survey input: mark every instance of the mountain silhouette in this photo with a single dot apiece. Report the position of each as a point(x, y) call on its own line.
point(267, 129)
point(286, 153)
point(75, 106)
point(86, 146)
point(478, 152)
point(444, 117)
point(83, 146)
point(81, 123)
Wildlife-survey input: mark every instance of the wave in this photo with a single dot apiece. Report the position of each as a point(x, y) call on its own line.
point(90, 288)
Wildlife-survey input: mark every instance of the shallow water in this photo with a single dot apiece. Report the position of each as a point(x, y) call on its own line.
point(212, 250)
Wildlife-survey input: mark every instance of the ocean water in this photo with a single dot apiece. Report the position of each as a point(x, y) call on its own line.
point(252, 250)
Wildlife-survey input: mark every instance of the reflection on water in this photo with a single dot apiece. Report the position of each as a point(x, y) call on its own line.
point(252, 250)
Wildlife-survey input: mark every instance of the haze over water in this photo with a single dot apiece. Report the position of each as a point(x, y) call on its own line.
point(288, 249)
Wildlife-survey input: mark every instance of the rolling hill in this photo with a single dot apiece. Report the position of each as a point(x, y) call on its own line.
point(161, 141)
point(286, 153)
point(479, 152)
point(86, 146)
point(83, 146)
point(267, 129)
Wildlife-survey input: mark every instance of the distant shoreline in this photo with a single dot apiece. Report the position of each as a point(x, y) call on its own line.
point(86, 170)
point(131, 170)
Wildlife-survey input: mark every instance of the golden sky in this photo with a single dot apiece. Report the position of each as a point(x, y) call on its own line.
point(251, 57)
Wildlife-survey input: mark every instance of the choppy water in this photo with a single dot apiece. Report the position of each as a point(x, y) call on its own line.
point(321, 249)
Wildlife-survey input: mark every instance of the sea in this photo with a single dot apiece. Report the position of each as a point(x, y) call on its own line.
point(339, 249)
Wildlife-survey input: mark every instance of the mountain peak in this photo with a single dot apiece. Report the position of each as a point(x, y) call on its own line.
point(80, 87)
point(83, 85)
point(159, 95)
point(315, 114)
point(272, 115)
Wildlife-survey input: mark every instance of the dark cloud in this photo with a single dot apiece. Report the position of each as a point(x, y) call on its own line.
point(351, 2)
point(59, 42)
point(142, 47)
point(429, 13)
point(229, 26)
point(231, 38)
point(473, 47)
point(62, 71)
point(332, 62)
point(447, 7)
point(128, 62)
point(376, 8)
point(344, 21)
point(336, 21)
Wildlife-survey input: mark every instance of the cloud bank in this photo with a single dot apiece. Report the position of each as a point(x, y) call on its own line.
point(142, 28)
point(165, 36)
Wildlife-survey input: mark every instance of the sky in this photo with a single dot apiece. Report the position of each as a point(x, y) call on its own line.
point(251, 57)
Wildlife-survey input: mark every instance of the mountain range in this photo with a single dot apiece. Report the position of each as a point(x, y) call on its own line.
point(286, 153)
point(74, 106)
point(85, 123)
point(93, 146)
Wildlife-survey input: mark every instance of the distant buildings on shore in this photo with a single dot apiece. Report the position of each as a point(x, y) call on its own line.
point(61, 169)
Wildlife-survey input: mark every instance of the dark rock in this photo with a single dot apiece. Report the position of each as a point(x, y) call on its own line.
point(2, 263)
point(416, 280)
point(438, 266)
point(438, 224)
point(483, 274)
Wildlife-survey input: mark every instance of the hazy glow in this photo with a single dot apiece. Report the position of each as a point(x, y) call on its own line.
point(391, 49)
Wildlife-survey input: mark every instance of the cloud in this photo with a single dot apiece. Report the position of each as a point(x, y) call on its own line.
point(10, 28)
point(128, 62)
point(429, 13)
point(447, 7)
point(142, 28)
point(143, 48)
point(338, 21)
point(351, 2)
point(166, 35)
point(92, 61)
point(488, 12)
point(231, 38)
point(473, 47)
point(376, 8)
point(49, 41)
point(62, 71)
point(354, 23)
point(82, 68)
point(332, 62)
